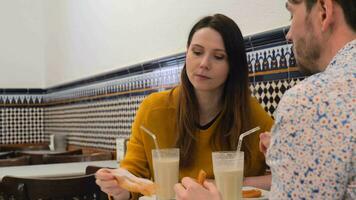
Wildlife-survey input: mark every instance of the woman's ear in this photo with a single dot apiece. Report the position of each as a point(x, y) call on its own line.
point(326, 14)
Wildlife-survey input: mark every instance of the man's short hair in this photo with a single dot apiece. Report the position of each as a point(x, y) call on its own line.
point(348, 7)
point(308, 3)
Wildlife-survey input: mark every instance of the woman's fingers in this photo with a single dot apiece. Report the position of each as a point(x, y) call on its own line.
point(188, 182)
point(184, 189)
point(107, 182)
point(179, 190)
point(104, 174)
point(210, 186)
point(213, 189)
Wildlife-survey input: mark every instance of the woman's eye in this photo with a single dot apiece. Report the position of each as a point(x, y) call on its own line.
point(197, 52)
point(219, 57)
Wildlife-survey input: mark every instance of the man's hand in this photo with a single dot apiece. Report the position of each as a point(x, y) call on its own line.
point(265, 139)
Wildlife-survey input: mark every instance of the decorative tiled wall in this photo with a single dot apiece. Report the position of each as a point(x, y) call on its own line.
point(94, 123)
point(269, 93)
point(21, 117)
point(94, 111)
point(103, 111)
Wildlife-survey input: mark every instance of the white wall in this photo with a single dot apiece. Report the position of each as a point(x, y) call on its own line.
point(21, 44)
point(45, 43)
point(89, 37)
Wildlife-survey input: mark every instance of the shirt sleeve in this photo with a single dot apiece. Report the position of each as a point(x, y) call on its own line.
point(312, 147)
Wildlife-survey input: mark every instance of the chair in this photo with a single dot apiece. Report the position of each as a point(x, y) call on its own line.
point(37, 147)
point(70, 152)
point(91, 169)
point(24, 147)
point(22, 160)
point(79, 187)
point(37, 158)
point(8, 154)
point(12, 191)
point(100, 156)
point(76, 158)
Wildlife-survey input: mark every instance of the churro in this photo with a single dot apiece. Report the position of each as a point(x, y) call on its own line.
point(131, 183)
point(201, 177)
point(253, 193)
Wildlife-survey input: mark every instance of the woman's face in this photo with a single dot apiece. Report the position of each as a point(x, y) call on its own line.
point(206, 61)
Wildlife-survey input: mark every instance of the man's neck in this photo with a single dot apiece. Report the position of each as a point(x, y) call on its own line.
point(335, 44)
point(340, 36)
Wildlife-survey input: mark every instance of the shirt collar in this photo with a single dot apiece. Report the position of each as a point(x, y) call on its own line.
point(343, 56)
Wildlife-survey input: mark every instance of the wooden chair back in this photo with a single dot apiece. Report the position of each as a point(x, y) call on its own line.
point(48, 159)
point(8, 154)
point(70, 152)
point(37, 147)
point(91, 169)
point(17, 161)
point(100, 156)
point(12, 191)
point(36, 158)
point(79, 187)
point(22, 147)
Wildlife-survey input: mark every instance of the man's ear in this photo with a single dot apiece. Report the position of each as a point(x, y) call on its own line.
point(326, 14)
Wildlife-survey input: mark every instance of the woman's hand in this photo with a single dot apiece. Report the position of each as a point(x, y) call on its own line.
point(189, 189)
point(107, 182)
point(265, 139)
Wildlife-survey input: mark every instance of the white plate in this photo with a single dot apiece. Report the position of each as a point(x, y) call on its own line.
point(264, 196)
point(148, 198)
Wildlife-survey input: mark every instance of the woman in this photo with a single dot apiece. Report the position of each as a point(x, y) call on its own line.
point(207, 112)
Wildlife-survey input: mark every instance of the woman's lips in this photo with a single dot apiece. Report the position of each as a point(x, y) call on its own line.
point(201, 76)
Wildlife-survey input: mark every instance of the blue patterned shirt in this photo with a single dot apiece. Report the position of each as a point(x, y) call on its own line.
point(312, 154)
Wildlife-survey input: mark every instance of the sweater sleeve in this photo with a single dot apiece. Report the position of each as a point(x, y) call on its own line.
point(259, 117)
point(135, 159)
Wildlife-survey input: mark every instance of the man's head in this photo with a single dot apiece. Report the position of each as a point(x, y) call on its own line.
point(318, 29)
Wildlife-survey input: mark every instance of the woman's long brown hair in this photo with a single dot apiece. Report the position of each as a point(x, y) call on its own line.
point(235, 113)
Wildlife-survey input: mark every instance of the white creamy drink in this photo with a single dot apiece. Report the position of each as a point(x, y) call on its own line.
point(166, 176)
point(228, 169)
point(166, 173)
point(229, 183)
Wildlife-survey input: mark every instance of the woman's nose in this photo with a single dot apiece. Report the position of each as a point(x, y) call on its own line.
point(205, 63)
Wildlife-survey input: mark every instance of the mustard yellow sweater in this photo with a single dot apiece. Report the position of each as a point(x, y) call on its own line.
point(158, 114)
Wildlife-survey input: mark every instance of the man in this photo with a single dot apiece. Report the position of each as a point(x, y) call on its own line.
point(312, 147)
point(312, 152)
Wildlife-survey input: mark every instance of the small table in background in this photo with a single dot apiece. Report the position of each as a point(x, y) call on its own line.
point(54, 170)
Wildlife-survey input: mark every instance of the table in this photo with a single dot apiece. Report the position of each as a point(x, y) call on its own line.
point(54, 170)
